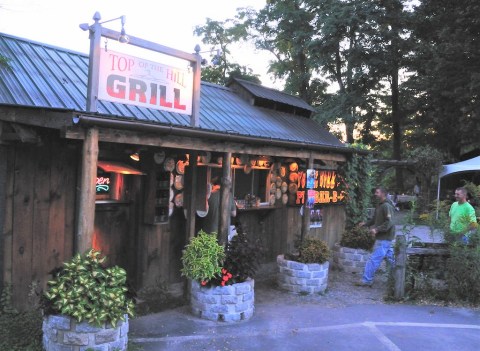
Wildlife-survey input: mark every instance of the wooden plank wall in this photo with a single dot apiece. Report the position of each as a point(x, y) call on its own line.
point(39, 213)
point(278, 229)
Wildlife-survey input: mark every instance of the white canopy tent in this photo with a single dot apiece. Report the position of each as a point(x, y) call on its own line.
point(470, 165)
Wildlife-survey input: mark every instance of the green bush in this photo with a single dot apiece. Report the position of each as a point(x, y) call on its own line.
point(463, 273)
point(242, 257)
point(87, 291)
point(313, 250)
point(202, 258)
point(357, 238)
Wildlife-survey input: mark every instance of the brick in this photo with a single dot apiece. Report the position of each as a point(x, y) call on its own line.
point(243, 288)
point(232, 317)
point(108, 335)
point(314, 267)
point(124, 330)
point(59, 322)
point(319, 274)
point(207, 299)
point(120, 344)
point(302, 274)
point(229, 299)
point(104, 347)
point(244, 306)
point(72, 338)
point(297, 265)
point(249, 296)
point(218, 309)
point(313, 282)
point(86, 327)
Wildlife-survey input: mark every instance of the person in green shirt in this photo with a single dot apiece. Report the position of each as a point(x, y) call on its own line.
point(462, 219)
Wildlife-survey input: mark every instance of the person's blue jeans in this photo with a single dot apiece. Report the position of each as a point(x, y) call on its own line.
point(382, 249)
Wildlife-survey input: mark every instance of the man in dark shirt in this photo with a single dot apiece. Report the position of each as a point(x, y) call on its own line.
point(382, 227)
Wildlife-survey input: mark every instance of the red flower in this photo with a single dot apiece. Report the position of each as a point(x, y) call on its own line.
point(223, 283)
point(225, 278)
point(203, 282)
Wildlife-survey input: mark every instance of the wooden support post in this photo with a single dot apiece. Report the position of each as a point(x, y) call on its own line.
point(306, 211)
point(400, 267)
point(86, 206)
point(192, 189)
point(225, 194)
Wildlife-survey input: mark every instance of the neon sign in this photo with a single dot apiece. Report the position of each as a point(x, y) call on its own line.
point(326, 188)
point(102, 185)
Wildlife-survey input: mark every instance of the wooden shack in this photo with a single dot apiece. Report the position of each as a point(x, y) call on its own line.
point(152, 170)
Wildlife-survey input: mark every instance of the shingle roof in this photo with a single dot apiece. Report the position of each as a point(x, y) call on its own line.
point(45, 76)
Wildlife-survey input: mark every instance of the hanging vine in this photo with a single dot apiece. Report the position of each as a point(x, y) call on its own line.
point(359, 175)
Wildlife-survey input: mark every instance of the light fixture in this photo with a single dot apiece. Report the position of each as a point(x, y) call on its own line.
point(216, 59)
point(135, 156)
point(123, 38)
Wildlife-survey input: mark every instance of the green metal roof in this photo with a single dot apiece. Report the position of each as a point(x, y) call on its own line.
point(45, 76)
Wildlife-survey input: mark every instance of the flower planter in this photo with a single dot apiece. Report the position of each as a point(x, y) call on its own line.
point(302, 278)
point(350, 260)
point(64, 333)
point(231, 303)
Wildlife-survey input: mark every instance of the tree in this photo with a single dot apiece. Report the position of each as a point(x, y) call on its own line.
point(446, 85)
point(220, 36)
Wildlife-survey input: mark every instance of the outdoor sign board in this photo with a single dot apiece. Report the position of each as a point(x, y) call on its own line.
point(326, 188)
point(135, 81)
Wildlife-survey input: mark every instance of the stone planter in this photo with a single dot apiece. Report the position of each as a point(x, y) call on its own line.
point(231, 303)
point(64, 333)
point(350, 260)
point(302, 278)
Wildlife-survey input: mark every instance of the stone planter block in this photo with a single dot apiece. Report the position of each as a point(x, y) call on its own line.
point(82, 336)
point(230, 303)
point(302, 278)
point(350, 260)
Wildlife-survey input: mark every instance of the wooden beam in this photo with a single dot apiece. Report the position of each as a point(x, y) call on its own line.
point(400, 267)
point(306, 210)
point(225, 198)
point(192, 198)
point(86, 207)
point(172, 141)
point(37, 117)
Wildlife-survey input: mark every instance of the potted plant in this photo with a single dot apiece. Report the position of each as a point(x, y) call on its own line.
point(221, 279)
point(305, 272)
point(352, 252)
point(87, 305)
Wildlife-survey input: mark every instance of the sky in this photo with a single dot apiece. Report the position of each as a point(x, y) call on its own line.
point(170, 23)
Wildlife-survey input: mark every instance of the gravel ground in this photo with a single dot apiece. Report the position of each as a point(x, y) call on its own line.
point(341, 291)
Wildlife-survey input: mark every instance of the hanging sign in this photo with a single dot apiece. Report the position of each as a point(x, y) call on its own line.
point(135, 81)
point(326, 188)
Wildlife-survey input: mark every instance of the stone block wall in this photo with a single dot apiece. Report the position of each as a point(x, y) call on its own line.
point(350, 260)
point(62, 333)
point(302, 278)
point(231, 303)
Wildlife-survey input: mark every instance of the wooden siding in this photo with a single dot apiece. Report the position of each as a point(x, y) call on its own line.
point(39, 213)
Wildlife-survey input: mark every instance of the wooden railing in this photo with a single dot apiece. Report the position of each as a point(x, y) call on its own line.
point(401, 261)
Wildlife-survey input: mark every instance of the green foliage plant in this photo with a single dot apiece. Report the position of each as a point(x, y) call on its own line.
point(242, 257)
point(463, 273)
point(202, 258)
point(359, 175)
point(313, 250)
point(358, 238)
point(87, 291)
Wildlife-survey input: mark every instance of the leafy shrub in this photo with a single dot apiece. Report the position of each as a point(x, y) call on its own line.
point(311, 250)
point(463, 273)
point(87, 291)
point(242, 258)
point(202, 258)
point(358, 238)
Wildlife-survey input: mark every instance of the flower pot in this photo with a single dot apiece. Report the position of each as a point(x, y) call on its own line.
point(231, 303)
point(350, 260)
point(64, 333)
point(302, 278)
